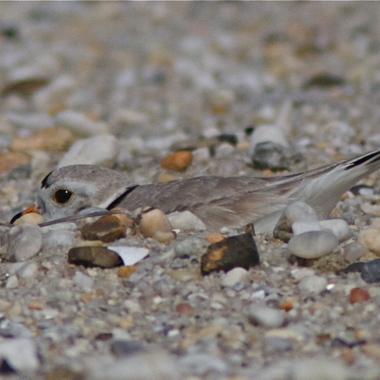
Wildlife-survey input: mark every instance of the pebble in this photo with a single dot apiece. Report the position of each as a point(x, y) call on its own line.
point(165, 237)
point(265, 316)
point(312, 284)
point(265, 133)
point(28, 270)
point(79, 124)
point(60, 237)
point(301, 227)
point(338, 227)
point(354, 251)
point(21, 243)
point(300, 212)
point(202, 365)
point(177, 161)
point(186, 221)
point(124, 348)
point(271, 156)
point(153, 220)
point(370, 271)
point(234, 277)
point(220, 101)
point(313, 244)
point(185, 308)
point(358, 295)
point(232, 252)
point(12, 282)
point(96, 150)
point(83, 282)
point(94, 257)
point(296, 212)
point(51, 139)
point(31, 120)
point(190, 247)
point(370, 237)
point(141, 366)
point(108, 228)
point(20, 353)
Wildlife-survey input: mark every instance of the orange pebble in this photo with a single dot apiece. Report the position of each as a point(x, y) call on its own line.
point(358, 295)
point(286, 305)
point(214, 237)
point(177, 161)
point(125, 271)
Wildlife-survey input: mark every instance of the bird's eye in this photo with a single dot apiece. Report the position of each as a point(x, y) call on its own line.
point(62, 196)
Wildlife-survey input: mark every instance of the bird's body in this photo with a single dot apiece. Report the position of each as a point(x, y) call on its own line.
point(217, 201)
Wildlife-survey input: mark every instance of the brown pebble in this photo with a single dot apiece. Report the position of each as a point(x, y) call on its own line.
point(94, 257)
point(235, 251)
point(358, 295)
point(184, 308)
point(125, 219)
point(11, 160)
point(125, 271)
point(88, 296)
point(63, 373)
point(153, 220)
point(24, 87)
point(36, 305)
point(107, 228)
point(214, 237)
point(286, 305)
point(51, 139)
point(177, 161)
point(165, 237)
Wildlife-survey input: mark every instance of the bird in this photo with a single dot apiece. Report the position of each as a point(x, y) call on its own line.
point(218, 201)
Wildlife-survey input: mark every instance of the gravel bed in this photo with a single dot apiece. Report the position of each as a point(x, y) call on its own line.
point(124, 85)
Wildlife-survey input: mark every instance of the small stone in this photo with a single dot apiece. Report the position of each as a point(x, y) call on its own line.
point(312, 284)
point(324, 81)
point(11, 160)
point(370, 271)
point(97, 150)
point(24, 86)
point(28, 270)
point(358, 295)
point(214, 237)
point(153, 220)
point(79, 124)
point(63, 373)
point(121, 348)
point(338, 227)
point(83, 282)
point(271, 156)
point(293, 213)
point(30, 121)
point(234, 277)
point(370, 237)
point(21, 243)
point(61, 237)
point(108, 228)
point(267, 133)
point(354, 251)
point(299, 228)
point(141, 366)
point(190, 247)
point(185, 308)
point(263, 315)
point(164, 237)
point(177, 161)
point(186, 221)
point(12, 282)
point(94, 257)
point(220, 101)
point(235, 251)
point(313, 244)
point(126, 271)
point(51, 139)
point(29, 218)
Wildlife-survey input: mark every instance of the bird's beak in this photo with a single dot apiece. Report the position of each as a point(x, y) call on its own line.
point(28, 210)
